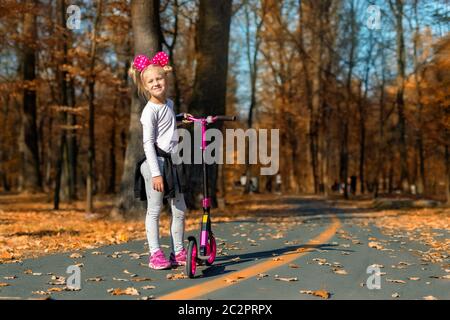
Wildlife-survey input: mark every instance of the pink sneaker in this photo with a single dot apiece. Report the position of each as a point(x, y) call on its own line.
point(179, 259)
point(158, 261)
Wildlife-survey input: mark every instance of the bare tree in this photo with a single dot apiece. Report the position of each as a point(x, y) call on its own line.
point(397, 9)
point(209, 92)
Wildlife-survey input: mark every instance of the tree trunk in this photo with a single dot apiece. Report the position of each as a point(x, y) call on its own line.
point(31, 174)
point(147, 40)
point(447, 168)
point(209, 92)
point(401, 64)
point(112, 153)
point(346, 114)
point(91, 102)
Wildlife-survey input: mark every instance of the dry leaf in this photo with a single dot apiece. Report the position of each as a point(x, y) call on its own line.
point(148, 287)
point(318, 293)
point(277, 259)
point(57, 280)
point(233, 280)
point(10, 277)
point(55, 289)
point(294, 266)
point(148, 298)
point(429, 298)
point(121, 292)
point(141, 279)
point(72, 289)
point(375, 245)
point(395, 295)
point(395, 281)
point(414, 278)
point(135, 256)
point(96, 253)
point(4, 284)
point(40, 292)
point(261, 275)
point(119, 279)
point(340, 271)
point(96, 279)
point(76, 255)
point(285, 279)
point(176, 276)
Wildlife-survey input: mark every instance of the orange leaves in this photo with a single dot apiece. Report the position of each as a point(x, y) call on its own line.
point(233, 279)
point(33, 228)
point(318, 293)
point(176, 276)
point(122, 292)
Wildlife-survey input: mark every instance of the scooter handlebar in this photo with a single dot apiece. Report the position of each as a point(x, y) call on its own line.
point(212, 119)
point(225, 118)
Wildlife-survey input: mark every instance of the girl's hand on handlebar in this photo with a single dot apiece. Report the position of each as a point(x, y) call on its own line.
point(158, 183)
point(186, 116)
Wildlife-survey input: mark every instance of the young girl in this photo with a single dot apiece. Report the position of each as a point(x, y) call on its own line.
point(162, 179)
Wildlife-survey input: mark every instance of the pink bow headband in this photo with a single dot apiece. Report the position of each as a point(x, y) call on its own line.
point(141, 61)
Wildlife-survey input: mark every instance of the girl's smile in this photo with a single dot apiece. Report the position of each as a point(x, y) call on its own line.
point(154, 80)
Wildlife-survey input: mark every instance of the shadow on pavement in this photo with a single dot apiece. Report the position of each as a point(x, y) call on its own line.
point(220, 267)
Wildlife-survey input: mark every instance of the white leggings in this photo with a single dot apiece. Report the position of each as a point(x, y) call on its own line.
point(154, 206)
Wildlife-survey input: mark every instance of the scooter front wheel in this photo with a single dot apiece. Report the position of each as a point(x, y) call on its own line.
point(191, 259)
point(211, 250)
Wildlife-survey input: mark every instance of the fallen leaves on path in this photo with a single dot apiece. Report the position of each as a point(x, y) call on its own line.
point(340, 271)
point(176, 276)
point(95, 279)
point(34, 229)
point(57, 280)
point(261, 275)
point(396, 281)
point(140, 279)
point(277, 277)
point(148, 287)
point(428, 226)
point(233, 279)
point(122, 292)
point(318, 293)
point(375, 245)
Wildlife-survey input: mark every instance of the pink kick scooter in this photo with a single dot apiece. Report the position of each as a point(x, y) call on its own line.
point(207, 251)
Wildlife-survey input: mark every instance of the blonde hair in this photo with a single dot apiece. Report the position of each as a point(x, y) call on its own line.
point(136, 76)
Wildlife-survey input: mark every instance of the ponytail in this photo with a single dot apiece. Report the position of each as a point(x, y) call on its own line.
point(135, 75)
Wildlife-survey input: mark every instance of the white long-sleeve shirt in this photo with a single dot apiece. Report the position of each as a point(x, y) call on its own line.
point(159, 125)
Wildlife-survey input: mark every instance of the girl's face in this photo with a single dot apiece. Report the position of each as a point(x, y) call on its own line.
point(155, 82)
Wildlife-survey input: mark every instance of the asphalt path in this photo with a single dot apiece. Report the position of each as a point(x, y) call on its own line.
point(314, 247)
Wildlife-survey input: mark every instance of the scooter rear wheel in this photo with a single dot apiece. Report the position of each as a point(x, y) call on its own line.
point(191, 259)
